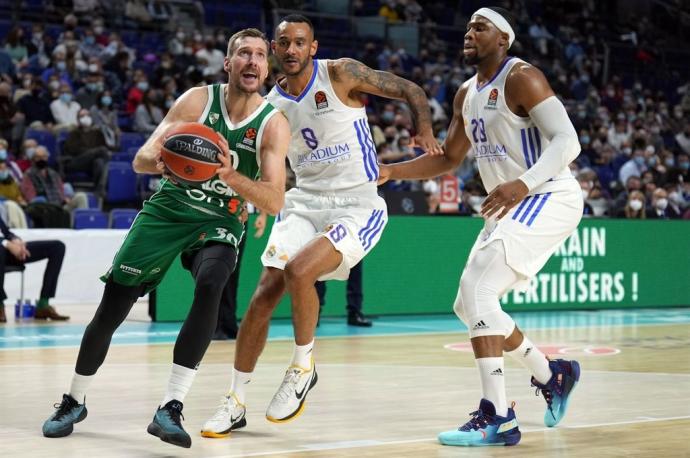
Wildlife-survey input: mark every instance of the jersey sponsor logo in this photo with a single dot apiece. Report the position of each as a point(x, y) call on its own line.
point(245, 147)
point(129, 270)
point(321, 100)
point(155, 270)
point(327, 155)
point(490, 153)
point(213, 117)
point(249, 136)
point(493, 98)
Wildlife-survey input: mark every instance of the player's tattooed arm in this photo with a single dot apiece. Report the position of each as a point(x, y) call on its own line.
point(358, 77)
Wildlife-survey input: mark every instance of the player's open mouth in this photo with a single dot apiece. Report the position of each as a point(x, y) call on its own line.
point(249, 76)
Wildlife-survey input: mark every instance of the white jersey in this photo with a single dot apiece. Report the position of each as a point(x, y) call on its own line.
point(505, 145)
point(332, 149)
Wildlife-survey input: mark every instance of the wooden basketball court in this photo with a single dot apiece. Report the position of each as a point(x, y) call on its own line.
point(384, 392)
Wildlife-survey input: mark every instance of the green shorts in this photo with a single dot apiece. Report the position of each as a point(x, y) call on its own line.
point(162, 230)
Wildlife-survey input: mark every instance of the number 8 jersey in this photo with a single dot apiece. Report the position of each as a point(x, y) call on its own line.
point(504, 144)
point(332, 149)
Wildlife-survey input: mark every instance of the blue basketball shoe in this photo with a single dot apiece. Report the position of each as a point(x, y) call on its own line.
point(67, 413)
point(167, 426)
point(557, 391)
point(485, 428)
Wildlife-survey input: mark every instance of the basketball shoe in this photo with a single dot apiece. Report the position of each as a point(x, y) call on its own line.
point(557, 391)
point(484, 428)
point(68, 412)
point(167, 426)
point(229, 416)
point(288, 402)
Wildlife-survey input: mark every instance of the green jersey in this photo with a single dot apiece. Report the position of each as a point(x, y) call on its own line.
point(215, 197)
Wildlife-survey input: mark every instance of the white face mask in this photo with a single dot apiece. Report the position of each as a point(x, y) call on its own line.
point(661, 204)
point(676, 198)
point(635, 205)
point(430, 187)
point(86, 121)
point(475, 202)
point(585, 193)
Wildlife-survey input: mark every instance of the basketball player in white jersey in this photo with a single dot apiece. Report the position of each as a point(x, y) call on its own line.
point(333, 217)
point(523, 142)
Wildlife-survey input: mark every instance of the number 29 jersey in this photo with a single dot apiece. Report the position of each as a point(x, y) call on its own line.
point(504, 144)
point(332, 149)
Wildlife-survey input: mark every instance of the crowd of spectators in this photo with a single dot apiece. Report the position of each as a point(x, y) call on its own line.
point(87, 85)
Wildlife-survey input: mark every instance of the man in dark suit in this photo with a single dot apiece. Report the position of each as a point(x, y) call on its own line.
point(16, 252)
point(660, 208)
point(354, 298)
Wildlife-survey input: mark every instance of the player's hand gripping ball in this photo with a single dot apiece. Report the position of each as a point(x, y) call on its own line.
point(190, 152)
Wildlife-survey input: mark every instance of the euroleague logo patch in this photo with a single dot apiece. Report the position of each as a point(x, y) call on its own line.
point(493, 98)
point(189, 169)
point(249, 136)
point(321, 100)
point(551, 349)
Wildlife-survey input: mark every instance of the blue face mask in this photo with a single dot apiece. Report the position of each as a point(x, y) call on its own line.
point(106, 100)
point(670, 162)
point(3, 154)
point(61, 65)
point(639, 160)
point(651, 161)
point(388, 116)
point(4, 174)
point(585, 139)
point(89, 40)
point(93, 87)
point(685, 165)
point(66, 97)
point(30, 152)
point(143, 85)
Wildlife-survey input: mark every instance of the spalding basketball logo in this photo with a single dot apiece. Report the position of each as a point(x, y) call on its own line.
point(189, 170)
point(321, 100)
point(198, 141)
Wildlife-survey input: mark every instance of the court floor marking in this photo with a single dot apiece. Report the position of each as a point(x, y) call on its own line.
point(375, 443)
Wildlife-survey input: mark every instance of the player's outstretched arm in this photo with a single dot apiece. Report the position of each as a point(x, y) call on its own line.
point(427, 166)
point(268, 193)
point(187, 108)
point(358, 77)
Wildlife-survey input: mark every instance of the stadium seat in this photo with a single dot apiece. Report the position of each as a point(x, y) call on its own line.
point(131, 140)
point(122, 218)
point(122, 183)
point(89, 218)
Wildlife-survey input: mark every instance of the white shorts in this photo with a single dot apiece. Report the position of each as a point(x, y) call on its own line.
point(352, 223)
point(533, 230)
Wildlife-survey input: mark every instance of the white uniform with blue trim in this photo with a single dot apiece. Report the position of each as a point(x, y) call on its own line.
point(505, 145)
point(333, 155)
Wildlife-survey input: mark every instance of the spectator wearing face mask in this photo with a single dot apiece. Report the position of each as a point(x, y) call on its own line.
point(683, 139)
point(89, 46)
point(660, 208)
point(635, 166)
point(35, 108)
point(211, 58)
point(88, 95)
point(43, 185)
point(676, 201)
point(148, 115)
point(136, 92)
point(13, 199)
point(634, 208)
point(14, 170)
point(105, 118)
point(65, 109)
point(85, 150)
point(680, 173)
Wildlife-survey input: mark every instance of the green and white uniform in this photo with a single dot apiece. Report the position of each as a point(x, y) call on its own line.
point(181, 218)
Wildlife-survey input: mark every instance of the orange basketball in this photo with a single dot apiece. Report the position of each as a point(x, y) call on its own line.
point(190, 151)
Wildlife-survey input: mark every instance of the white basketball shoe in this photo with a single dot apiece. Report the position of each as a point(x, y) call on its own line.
point(229, 416)
point(288, 402)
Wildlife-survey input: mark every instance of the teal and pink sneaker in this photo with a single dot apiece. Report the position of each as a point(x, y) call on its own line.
point(484, 428)
point(557, 391)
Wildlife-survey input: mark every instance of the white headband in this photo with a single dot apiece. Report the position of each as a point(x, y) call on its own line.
point(499, 21)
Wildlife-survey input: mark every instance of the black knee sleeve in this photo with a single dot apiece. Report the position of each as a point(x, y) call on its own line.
point(116, 303)
point(211, 268)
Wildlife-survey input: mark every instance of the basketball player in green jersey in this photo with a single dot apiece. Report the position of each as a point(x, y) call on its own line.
point(199, 222)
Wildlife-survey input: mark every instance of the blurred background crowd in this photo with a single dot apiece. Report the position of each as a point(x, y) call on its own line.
point(84, 82)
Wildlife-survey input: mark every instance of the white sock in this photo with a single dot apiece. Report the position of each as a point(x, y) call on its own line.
point(240, 380)
point(302, 355)
point(491, 373)
point(533, 359)
point(80, 383)
point(179, 383)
